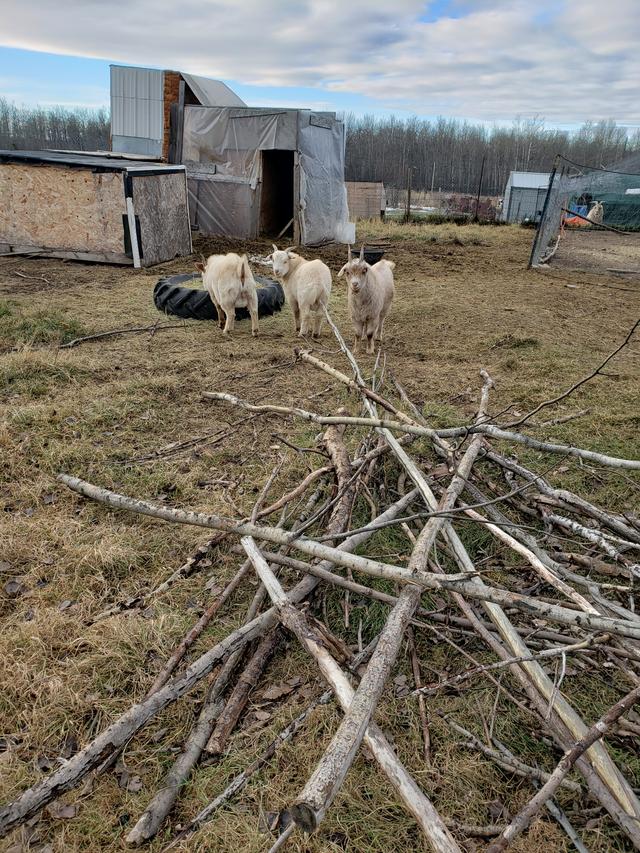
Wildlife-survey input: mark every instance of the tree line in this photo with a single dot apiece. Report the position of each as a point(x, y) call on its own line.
point(28, 128)
point(448, 154)
point(443, 154)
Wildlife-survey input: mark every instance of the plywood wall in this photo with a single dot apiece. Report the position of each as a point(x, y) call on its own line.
point(61, 208)
point(160, 203)
point(365, 199)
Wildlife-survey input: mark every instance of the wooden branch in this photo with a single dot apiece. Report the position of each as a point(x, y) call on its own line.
point(540, 568)
point(161, 804)
point(522, 820)
point(342, 556)
point(154, 327)
point(327, 778)
point(116, 735)
point(417, 803)
point(432, 689)
point(236, 785)
point(360, 387)
point(240, 694)
point(189, 639)
point(575, 502)
point(422, 705)
point(577, 385)
point(242, 779)
point(484, 428)
point(507, 762)
point(183, 571)
point(294, 493)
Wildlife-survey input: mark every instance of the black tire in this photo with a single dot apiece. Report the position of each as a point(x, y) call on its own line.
point(170, 297)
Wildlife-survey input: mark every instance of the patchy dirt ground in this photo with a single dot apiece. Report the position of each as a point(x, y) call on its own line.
point(464, 301)
point(599, 252)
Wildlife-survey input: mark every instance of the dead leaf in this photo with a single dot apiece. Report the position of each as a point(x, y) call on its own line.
point(66, 604)
point(70, 746)
point(277, 691)
point(49, 499)
point(62, 811)
point(148, 613)
point(262, 715)
point(156, 737)
point(4, 566)
point(14, 588)
point(134, 784)
point(295, 681)
point(498, 811)
point(44, 763)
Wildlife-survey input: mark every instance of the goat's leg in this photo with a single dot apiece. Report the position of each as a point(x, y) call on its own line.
point(317, 325)
point(296, 315)
point(305, 323)
point(371, 330)
point(253, 311)
point(219, 311)
point(230, 311)
point(358, 331)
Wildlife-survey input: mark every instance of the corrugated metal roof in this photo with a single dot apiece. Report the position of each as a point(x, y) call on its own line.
point(212, 93)
point(529, 180)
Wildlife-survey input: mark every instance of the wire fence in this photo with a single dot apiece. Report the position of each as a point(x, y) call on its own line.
point(584, 199)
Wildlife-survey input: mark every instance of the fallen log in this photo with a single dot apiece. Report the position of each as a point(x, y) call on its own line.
point(428, 818)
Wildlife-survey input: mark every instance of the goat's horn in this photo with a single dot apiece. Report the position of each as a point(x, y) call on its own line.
point(275, 248)
point(362, 253)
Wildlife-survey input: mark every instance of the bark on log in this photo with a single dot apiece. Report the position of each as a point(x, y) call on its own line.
point(342, 556)
point(417, 803)
point(240, 694)
point(450, 432)
point(116, 735)
point(327, 778)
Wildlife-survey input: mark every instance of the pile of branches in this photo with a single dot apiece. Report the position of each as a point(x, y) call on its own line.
point(575, 600)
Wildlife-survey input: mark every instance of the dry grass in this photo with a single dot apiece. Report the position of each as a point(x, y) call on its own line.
point(464, 301)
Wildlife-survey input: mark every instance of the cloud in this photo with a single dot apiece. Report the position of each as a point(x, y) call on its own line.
point(479, 59)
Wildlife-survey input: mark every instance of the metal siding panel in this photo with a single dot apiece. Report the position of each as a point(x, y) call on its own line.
point(136, 145)
point(137, 102)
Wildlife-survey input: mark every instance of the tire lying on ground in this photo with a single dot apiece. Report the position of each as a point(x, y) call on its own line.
point(171, 297)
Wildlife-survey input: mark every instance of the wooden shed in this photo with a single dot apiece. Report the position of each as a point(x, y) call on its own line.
point(93, 207)
point(366, 199)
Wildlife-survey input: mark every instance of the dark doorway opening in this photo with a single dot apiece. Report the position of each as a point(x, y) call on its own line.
point(276, 197)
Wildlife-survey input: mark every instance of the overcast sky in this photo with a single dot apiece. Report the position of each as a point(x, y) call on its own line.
point(563, 60)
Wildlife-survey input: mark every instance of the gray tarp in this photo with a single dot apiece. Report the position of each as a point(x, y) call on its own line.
point(222, 152)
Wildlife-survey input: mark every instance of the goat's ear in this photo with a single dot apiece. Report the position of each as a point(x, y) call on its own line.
point(341, 273)
point(275, 248)
point(199, 266)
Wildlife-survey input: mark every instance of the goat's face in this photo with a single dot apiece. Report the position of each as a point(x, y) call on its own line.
point(281, 261)
point(356, 274)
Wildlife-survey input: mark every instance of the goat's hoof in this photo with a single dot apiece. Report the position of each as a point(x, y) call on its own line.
point(254, 334)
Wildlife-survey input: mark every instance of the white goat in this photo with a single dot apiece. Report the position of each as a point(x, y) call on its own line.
point(596, 214)
point(230, 283)
point(370, 295)
point(307, 286)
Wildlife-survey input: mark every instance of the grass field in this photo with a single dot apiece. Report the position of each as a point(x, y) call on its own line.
point(464, 301)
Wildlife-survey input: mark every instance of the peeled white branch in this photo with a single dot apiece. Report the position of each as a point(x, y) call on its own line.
point(414, 799)
point(452, 432)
